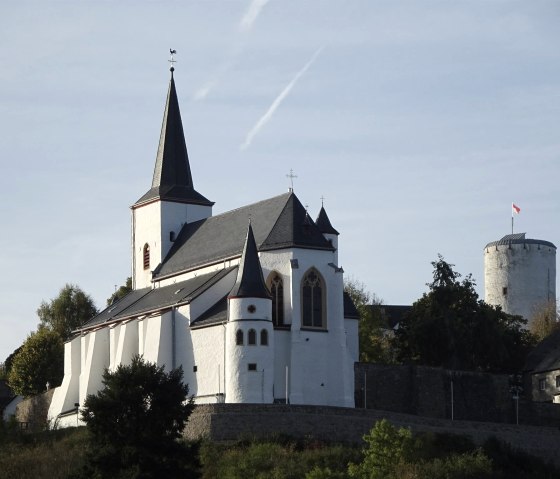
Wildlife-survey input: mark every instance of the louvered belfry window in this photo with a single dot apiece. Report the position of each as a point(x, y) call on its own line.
point(146, 256)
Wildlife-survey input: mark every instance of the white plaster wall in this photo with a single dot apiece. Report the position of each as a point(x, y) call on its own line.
point(94, 360)
point(321, 370)
point(152, 224)
point(279, 262)
point(242, 385)
point(352, 338)
point(208, 382)
point(68, 393)
point(211, 296)
point(155, 335)
point(123, 344)
point(10, 409)
point(282, 359)
point(527, 271)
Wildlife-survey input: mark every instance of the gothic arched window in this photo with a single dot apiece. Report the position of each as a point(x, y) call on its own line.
point(252, 337)
point(313, 300)
point(146, 256)
point(239, 337)
point(264, 337)
point(276, 286)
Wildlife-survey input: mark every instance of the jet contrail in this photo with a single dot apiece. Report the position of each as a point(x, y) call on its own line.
point(251, 14)
point(263, 120)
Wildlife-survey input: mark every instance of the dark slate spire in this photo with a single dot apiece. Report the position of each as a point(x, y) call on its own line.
point(324, 223)
point(172, 179)
point(250, 281)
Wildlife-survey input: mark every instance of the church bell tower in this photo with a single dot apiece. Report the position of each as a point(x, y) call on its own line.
point(171, 202)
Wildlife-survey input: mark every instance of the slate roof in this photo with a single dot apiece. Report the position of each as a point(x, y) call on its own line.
point(172, 180)
point(143, 301)
point(278, 222)
point(217, 314)
point(518, 238)
point(545, 356)
point(324, 224)
point(350, 310)
point(250, 281)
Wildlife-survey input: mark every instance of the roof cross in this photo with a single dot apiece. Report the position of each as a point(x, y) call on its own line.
point(291, 176)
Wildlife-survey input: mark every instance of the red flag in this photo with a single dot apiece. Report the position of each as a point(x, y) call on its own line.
point(515, 209)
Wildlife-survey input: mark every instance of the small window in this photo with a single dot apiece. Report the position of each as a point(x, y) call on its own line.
point(542, 384)
point(558, 381)
point(504, 290)
point(252, 366)
point(239, 337)
point(146, 256)
point(252, 337)
point(194, 369)
point(264, 337)
point(172, 236)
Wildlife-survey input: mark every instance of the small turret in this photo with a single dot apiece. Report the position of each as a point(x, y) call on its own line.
point(249, 332)
point(325, 226)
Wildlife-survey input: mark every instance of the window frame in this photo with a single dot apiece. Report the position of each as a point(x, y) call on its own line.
point(252, 337)
point(146, 256)
point(239, 337)
point(275, 285)
point(311, 309)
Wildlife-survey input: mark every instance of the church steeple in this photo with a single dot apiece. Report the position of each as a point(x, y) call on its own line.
point(250, 281)
point(172, 180)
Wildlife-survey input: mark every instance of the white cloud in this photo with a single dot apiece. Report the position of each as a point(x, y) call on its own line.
point(252, 14)
point(263, 120)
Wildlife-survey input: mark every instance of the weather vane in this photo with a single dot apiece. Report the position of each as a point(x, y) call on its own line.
point(291, 176)
point(172, 59)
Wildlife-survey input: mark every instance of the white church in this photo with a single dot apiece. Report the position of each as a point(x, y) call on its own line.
point(249, 303)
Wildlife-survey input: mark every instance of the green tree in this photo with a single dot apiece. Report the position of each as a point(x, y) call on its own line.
point(374, 339)
point(67, 312)
point(39, 361)
point(384, 451)
point(135, 423)
point(544, 321)
point(451, 327)
point(121, 292)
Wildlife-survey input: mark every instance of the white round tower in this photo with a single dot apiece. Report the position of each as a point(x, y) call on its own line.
point(249, 333)
point(519, 274)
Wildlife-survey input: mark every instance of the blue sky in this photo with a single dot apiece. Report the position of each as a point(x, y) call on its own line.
point(419, 122)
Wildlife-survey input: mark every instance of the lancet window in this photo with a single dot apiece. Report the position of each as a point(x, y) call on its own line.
point(313, 300)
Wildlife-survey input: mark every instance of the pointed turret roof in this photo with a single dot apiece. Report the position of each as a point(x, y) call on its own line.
point(250, 281)
point(172, 179)
point(324, 224)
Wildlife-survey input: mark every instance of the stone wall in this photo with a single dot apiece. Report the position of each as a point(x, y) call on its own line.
point(434, 392)
point(31, 413)
point(229, 422)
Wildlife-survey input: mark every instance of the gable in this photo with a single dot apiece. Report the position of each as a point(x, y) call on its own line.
point(279, 222)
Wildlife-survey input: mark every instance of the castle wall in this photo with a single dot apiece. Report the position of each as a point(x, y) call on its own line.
point(228, 422)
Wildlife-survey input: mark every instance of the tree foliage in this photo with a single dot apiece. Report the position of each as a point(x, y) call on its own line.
point(67, 312)
point(39, 361)
point(374, 340)
point(544, 321)
point(135, 422)
point(452, 328)
point(121, 292)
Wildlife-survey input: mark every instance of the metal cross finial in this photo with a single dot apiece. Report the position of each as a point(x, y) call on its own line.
point(322, 200)
point(172, 59)
point(291, 176)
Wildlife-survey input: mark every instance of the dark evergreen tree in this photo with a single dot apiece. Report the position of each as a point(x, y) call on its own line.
point(135, 423)
point(451, 327)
